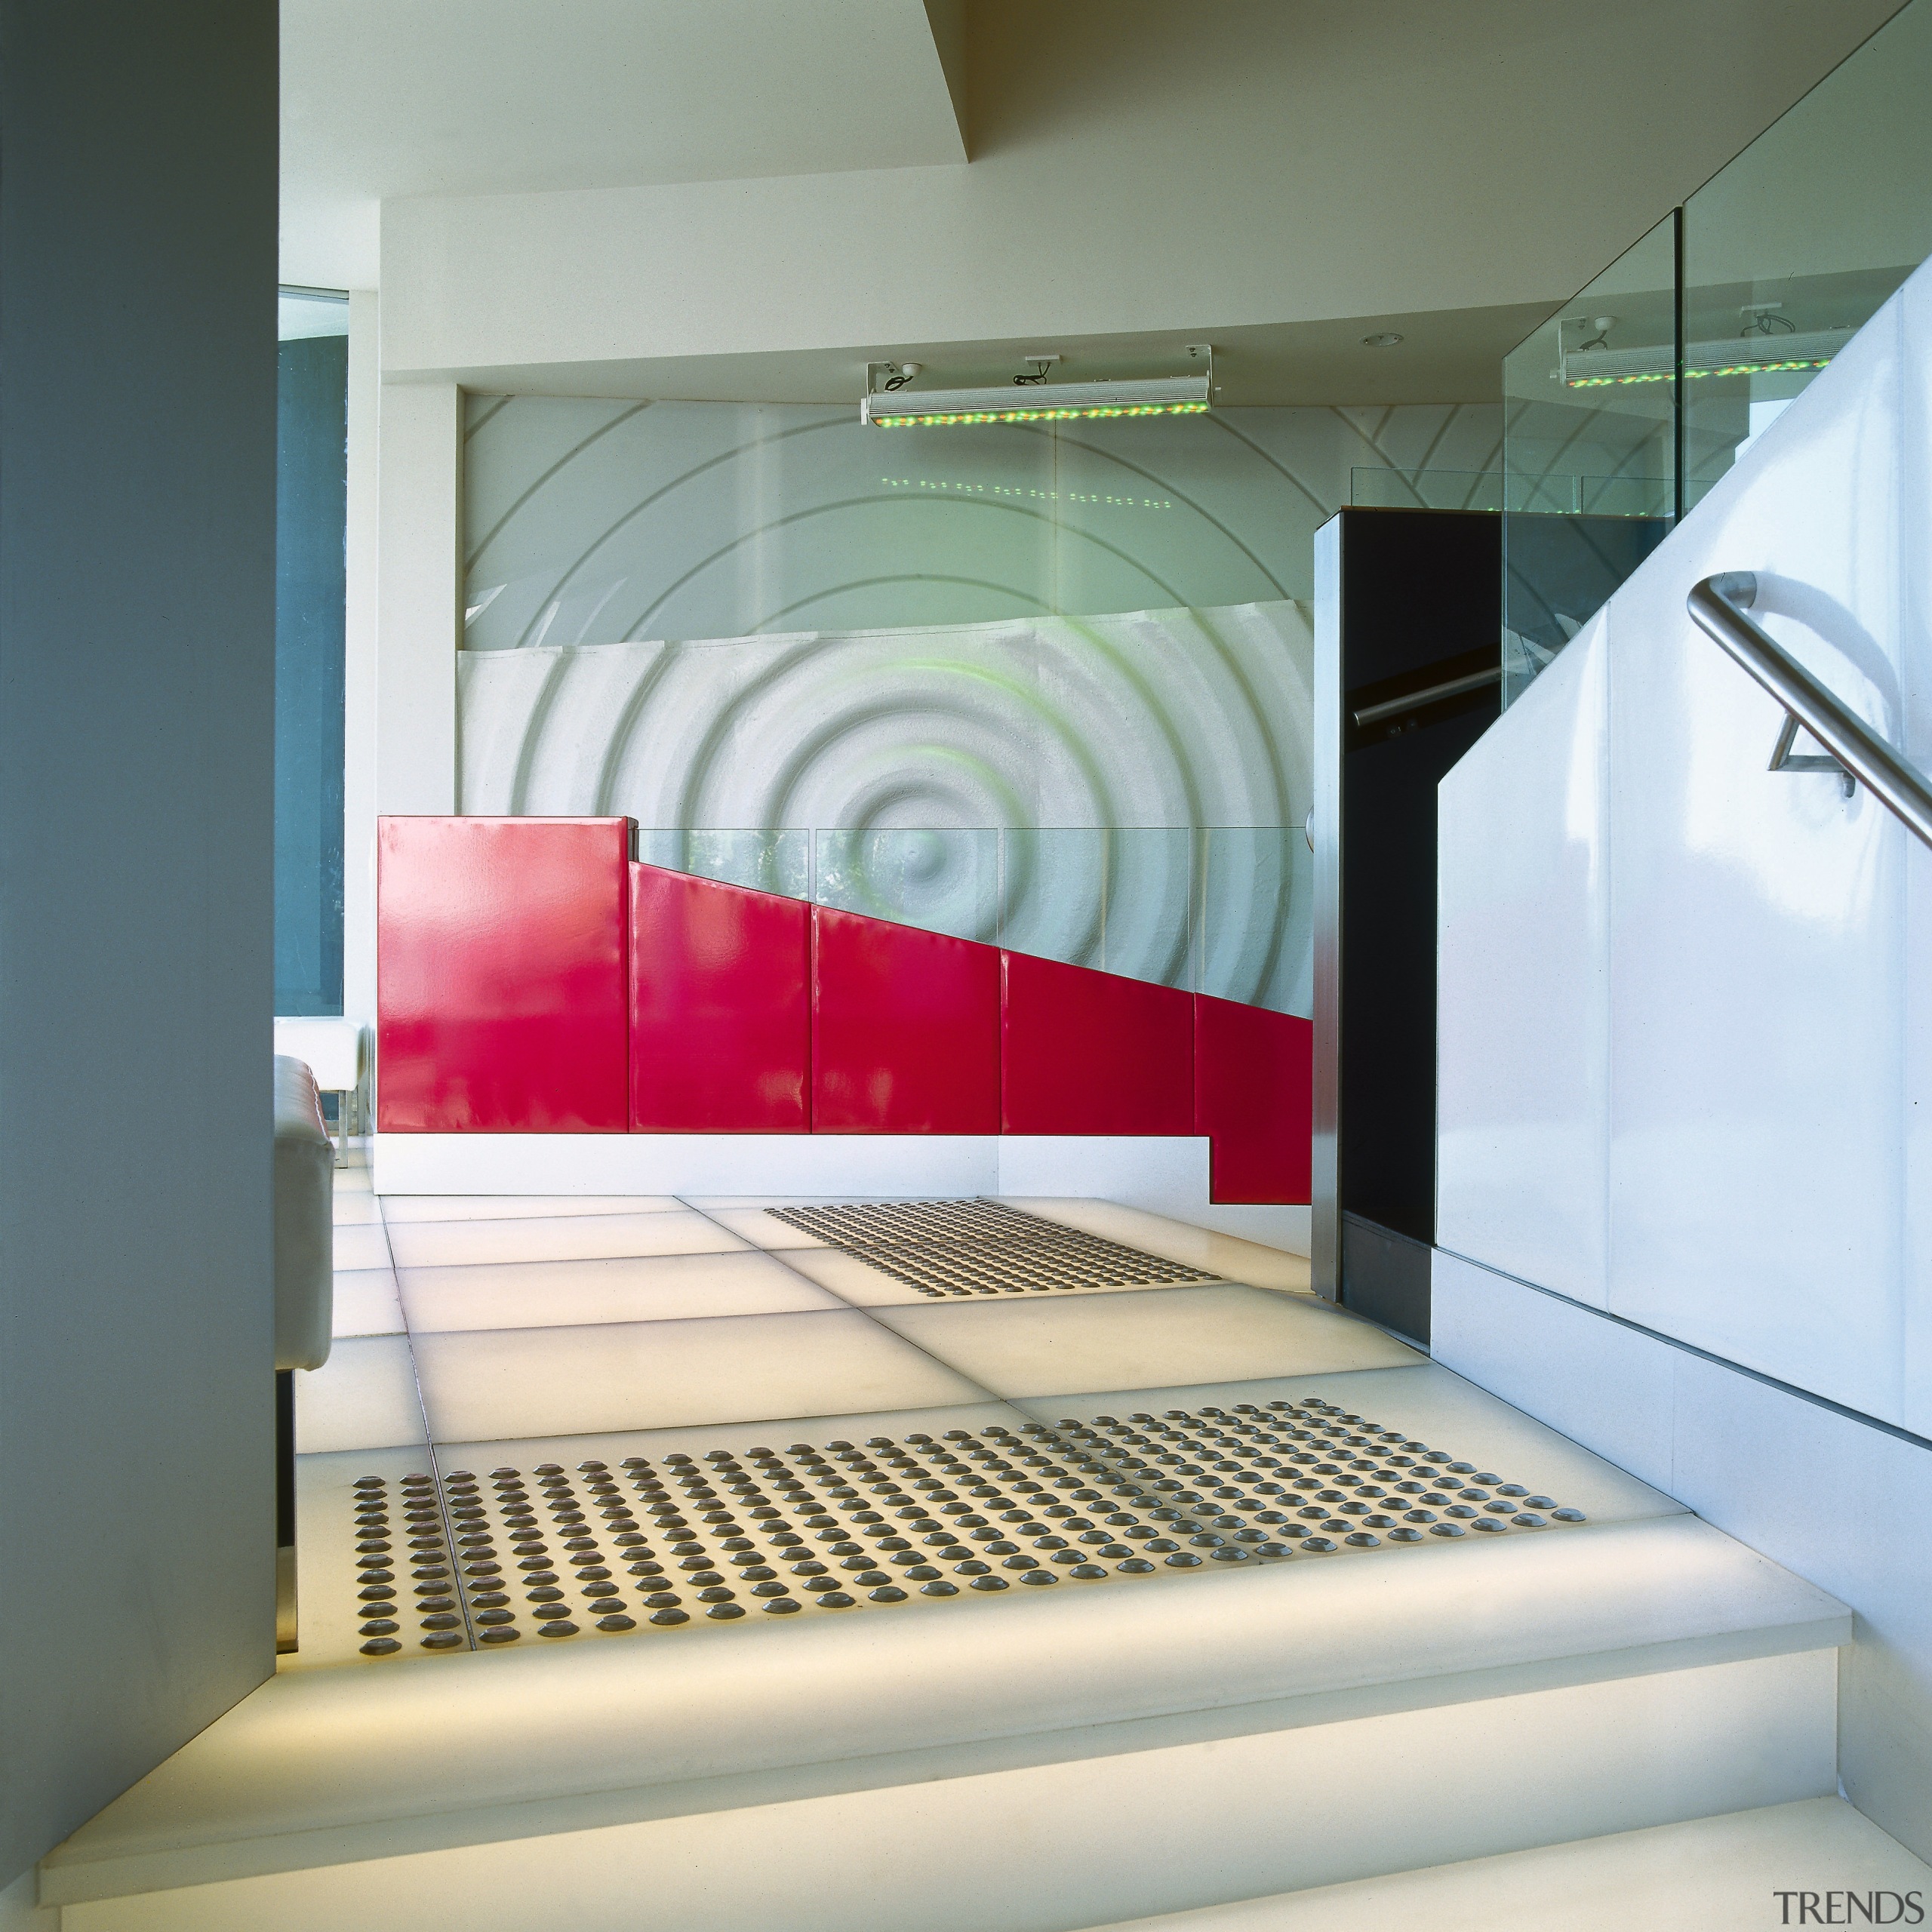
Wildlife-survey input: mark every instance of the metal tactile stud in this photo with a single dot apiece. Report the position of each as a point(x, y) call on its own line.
point(864, 1506)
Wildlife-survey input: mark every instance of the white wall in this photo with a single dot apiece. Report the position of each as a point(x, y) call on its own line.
point(137, 489)
point(1685, 1056)
point(418, 595)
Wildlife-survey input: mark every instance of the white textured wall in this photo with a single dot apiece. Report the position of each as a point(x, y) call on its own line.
point(1037, 781)
point(420, 519)
point(1686, 1057)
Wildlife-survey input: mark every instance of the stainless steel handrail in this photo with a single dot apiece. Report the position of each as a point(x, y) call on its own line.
point(1717, 606)
point(1373, 714)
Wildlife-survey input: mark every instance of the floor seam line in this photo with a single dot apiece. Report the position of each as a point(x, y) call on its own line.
point(776, 1254)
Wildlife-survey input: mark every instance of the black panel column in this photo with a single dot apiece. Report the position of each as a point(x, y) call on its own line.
point(1407, 675)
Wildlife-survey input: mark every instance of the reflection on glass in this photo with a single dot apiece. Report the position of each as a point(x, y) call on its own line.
point(1119, 898)
point(1589, 452)
point(1220, 910)
point(1255, 916)
point(765, 860)
point(1625, 408)
point(1796, 243)
point(943, 881)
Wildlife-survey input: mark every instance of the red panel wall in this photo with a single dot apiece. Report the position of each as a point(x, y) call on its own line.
point(720, 1007)
point(1254, 1092)
point(904, 1029)
point(500, 976)
point(1082, 1052)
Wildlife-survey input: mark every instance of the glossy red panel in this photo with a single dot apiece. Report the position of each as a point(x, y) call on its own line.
point(904, 1029)
point(1082, 1052)
point(720, 1007)
point(1254, 1094)
point(501, 995)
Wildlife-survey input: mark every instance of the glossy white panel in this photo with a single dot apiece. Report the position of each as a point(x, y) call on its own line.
point(1522, 1053)
point(1757, 922)
point(1606, 1385)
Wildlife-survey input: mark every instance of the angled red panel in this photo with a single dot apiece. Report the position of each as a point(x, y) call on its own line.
point(500, 947)
point(1083, 1052)
point(720, 1007)
point(904, 1029)
point(1254, 1096)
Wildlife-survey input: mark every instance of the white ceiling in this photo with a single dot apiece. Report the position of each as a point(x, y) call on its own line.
point(752, 197)
point(386, 99)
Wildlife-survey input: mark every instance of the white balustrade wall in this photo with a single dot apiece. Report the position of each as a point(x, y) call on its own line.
point(1685, 1057)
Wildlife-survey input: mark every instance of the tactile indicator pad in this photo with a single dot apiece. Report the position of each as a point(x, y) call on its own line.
point(980, 1247)
point(649, 1547)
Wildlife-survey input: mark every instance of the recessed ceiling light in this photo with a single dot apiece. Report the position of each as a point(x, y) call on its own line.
point(1384, 341)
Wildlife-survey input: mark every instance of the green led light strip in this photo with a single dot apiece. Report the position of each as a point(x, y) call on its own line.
point(1664, 375)
point(1098, 409)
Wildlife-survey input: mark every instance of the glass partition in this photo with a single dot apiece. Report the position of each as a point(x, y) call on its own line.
point(1799, 240)
point(1635, 398)
point(1589, 452)
point(944, 880)
point(1117, 898)
point(1254, 919)
point(765, 860)
point(1226, 910)
point(1426, 489)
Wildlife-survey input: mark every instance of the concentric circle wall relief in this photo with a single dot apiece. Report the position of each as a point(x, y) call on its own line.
point(1009, 674)
point(1096, 743)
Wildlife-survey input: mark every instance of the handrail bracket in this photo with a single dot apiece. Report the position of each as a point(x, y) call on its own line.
point(1717, 605)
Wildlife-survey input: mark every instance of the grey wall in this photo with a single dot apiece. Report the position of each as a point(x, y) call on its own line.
point(137, 423)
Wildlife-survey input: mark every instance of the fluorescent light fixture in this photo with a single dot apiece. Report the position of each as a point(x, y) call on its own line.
point(1737, 355)
point(1055, 402)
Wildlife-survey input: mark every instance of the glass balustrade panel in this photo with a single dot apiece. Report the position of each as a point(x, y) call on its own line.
point(1790, 247)
point(1589, 452)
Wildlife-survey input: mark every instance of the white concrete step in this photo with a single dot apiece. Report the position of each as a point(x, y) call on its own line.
point(1054, 1763)
point(1725, 1874)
